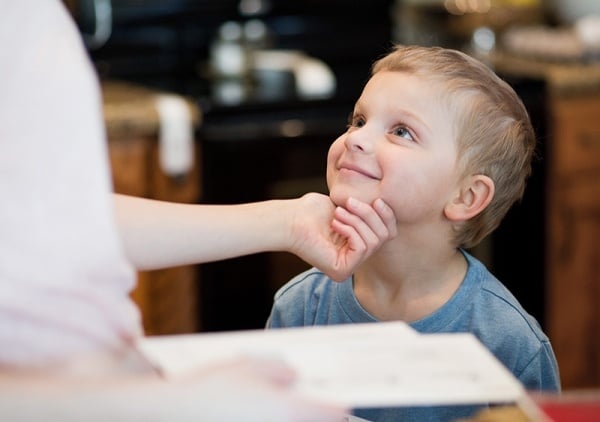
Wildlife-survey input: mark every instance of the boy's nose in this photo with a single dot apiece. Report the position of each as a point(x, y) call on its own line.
point(358, 141)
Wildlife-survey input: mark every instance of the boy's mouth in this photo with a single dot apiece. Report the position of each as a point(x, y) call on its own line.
point(350, 168)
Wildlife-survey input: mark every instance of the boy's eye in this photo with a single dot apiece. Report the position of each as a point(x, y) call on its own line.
point(403, 132)
point(355, 121)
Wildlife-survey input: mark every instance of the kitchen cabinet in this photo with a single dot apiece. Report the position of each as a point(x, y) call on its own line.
point(573, 248)
point(571, 242)
point(167, 298)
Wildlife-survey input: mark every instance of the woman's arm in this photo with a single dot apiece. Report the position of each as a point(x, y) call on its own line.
point(159, 234)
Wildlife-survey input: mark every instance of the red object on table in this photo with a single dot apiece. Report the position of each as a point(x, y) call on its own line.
point(572, 406)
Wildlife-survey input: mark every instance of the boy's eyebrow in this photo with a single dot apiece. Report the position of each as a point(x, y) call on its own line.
point(412, 117)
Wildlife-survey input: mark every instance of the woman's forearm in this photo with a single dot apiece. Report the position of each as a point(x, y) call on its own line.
point(160, 234)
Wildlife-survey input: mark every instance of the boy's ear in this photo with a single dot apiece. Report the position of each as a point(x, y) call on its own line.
point(474, 195)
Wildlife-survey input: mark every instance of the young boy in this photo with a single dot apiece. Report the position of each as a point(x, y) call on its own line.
point(448, 145)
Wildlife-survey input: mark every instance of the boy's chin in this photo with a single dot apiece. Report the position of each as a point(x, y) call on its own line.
point(340, 198)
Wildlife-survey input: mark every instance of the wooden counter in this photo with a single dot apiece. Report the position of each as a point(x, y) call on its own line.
point(167, 298)
point(564, 79)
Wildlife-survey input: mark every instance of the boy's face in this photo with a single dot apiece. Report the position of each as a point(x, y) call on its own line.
point(400, 146)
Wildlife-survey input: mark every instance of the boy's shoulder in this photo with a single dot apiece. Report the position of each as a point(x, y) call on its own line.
point(515, 337)
point(494, 309)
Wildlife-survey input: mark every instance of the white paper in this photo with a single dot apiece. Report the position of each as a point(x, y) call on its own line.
point(356, 365)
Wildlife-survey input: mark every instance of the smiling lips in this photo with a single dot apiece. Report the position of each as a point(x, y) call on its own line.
point(351, 168)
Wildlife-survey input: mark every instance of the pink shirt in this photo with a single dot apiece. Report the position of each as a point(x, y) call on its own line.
point(64, 278)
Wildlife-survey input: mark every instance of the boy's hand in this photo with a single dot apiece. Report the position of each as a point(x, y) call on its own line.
point(335, 239)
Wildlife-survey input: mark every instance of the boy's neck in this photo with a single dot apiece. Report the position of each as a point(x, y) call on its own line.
point(408, 288)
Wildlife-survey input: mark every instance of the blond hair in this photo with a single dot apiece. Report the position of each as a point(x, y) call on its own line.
point(494, 133)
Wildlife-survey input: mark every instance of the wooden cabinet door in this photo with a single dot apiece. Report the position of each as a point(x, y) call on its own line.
point(167, 298)
point(573, 243)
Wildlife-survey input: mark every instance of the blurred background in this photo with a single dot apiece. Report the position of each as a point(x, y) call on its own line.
point(268, 85)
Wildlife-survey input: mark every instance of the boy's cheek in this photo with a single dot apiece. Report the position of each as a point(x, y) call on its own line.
point(333, 155)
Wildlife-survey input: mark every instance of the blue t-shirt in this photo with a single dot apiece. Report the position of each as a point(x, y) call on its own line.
point(482, 306)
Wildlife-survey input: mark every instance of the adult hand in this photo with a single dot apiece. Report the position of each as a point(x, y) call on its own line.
point(335, 239)
point(257, 390)
point(243, 390)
